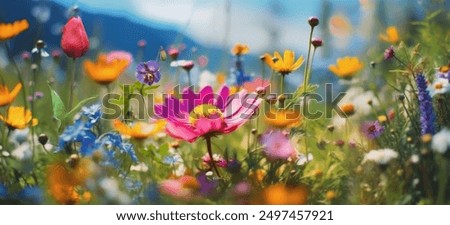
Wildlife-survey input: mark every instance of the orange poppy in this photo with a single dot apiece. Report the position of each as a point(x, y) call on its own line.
point(10, 30)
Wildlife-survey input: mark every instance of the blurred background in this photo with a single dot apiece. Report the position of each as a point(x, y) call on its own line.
point(208, 29)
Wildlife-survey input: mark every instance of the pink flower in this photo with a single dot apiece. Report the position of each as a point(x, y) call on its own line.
point(74, 40)
point(218, 160)
point(206, 114)
point(183, 188)
point(257, 85)
point(173, 53)
point(119, 55)
point(277, 146)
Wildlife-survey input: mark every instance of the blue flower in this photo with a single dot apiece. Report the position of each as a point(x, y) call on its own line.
point(148, 72)
point(31, 195)
point(427, 115)
point(152, 193)
point(93, 114)
point(239, 73)
point(111, 141)
point(172, 159)
point(3, 192)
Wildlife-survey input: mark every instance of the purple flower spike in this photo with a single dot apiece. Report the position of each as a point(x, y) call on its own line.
point(148, 72)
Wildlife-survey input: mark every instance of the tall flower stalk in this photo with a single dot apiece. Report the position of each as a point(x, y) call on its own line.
point(427, 115)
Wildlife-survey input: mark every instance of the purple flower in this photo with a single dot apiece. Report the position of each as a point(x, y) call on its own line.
point(148, 72)
point(372, 130)
point(427, 116)
point(389, 53)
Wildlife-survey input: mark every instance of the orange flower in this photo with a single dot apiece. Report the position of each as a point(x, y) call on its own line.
point(240, 49)
point(279, 194)
point(63, 181)
point(346, 67)
point(283, 118)
point(391, 35)
point(348, 109)
point(7, 97)
point(139, 130)
point(104, 71)
point(18, 118)
point(10, 30)
point(283, 65)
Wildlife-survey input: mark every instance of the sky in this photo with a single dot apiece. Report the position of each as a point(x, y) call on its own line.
point(206, 21)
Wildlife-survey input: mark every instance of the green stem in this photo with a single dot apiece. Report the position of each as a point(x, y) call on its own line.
point(189, 78)
point(212, 163)
point(21, 80)
point(443, 180)
point(305, 75)
point(72, 84)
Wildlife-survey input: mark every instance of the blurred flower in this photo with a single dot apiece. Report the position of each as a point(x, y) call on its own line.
point(217, 158)
point(25, 55)
point(56, 54)
point(3, 191)
point(173, 159)
point(330, 195)
point(389, 53)
point(63, 182)
point(372, 130)
point(242, 189)
point(112, 192)
point(238, 71)
point(346, 67)
point(18, 118)
point(139, 130)
point(7, 97)
point(140, 167)
point(283, 118)
point(256, 85)
point(31, 195)
point(37, 95)
point(340, 26)
point(41, 13)
point(317, 42)
point(206, 113)
point(182, 188)
point(142, 43)
point(240, 49)
point(74, 40)
point(280, 194)
point(427, 116)
point(439, 86)
point(119, 55)
point(202, 61)
point(441, 141)
point(443, 72)
point(381, 156)
point(206, 78)
point(10, 30)
point(277, 146)
point(22, 152)
point(348, 109)
point(284, 65)
point(391, 35)
point(302, 159)
point(103, 71)
point(148, 72)
point(208, 186)
point(173, 53)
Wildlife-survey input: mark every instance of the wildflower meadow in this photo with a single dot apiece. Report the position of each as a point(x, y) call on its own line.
point(346, 115)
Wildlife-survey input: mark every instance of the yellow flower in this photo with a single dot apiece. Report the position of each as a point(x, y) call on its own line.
point(346, 67)
point(104, 71)
point(221, 78)
point(7, 97)
point(240, 49)
point(280, 194)
point(18, 118)
point(139, 130)
point(10, 30)
point(330, 195)
point(390, 36)
point(283, 118)
point(283, 65)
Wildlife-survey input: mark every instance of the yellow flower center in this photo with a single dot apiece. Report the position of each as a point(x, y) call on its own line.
point(438, 86)
point(204, 111)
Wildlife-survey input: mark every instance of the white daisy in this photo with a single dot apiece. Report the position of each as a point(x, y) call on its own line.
point(381, 156)
point(441, 141)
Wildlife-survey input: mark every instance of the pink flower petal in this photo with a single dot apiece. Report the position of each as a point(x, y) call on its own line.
point(181, 131)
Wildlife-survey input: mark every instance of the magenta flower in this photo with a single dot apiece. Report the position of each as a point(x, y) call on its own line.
point(277, 146)
point(218, 160)
point(206, 114)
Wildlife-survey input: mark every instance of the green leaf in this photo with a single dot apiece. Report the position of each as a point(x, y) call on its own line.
point(78, 107)
point(164, 150)
point(59, 109)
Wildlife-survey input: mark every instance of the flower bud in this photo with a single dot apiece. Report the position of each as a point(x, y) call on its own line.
point(316, 42)
point(162, 54)
point(74, 40)
point(43, 139)
point(313, 21)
